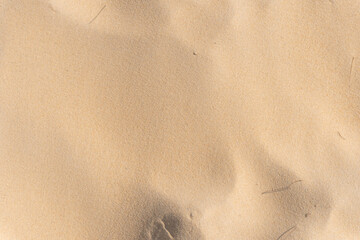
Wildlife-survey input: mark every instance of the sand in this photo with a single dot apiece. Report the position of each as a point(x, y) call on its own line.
point(186, 120)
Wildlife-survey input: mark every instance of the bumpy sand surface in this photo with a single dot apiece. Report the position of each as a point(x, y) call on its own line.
point(186, 120)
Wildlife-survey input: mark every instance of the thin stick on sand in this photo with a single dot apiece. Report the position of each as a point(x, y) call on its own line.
point(351, 68)
point(281, 189)
point(286, 232)
point(97, 14)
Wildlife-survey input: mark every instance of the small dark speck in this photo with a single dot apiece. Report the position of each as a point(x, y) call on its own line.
point(306, 215)
point(315, 206)
point(191, 216)
point(194, 53)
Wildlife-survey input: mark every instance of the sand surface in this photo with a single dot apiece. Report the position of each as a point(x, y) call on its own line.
point(179, 119)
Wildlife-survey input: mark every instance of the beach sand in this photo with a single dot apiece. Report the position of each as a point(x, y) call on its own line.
point(186, 120)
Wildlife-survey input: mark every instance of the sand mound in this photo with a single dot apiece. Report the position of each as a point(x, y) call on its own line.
point(186, 120)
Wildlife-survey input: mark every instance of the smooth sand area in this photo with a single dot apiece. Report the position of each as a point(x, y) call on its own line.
point(179, 119)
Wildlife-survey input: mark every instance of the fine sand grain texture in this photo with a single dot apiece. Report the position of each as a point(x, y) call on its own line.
point(179, 120)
